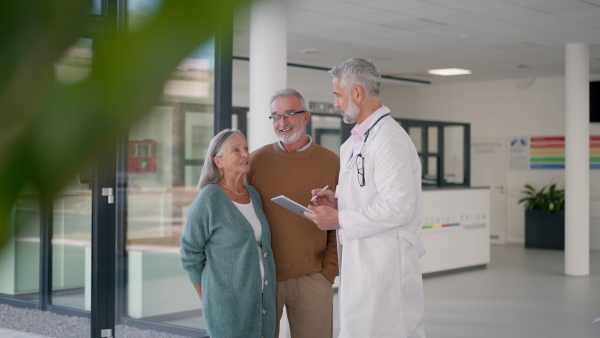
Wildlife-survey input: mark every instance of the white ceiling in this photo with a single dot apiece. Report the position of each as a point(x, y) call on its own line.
point(495, 39)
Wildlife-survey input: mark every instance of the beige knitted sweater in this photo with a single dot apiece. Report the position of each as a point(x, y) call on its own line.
point(298, 245)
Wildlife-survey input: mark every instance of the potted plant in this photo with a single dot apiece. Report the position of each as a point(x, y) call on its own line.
point(544, 217)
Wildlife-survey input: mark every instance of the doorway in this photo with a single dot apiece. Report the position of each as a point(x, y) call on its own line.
point(488, 168)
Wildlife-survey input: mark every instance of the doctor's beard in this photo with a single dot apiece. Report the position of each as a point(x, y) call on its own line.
point(351, 113)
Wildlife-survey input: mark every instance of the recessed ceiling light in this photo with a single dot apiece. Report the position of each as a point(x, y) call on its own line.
point(449, 71)
point(309, 51)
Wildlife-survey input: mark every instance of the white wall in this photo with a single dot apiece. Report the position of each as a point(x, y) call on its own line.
point(492, 108)
point(501, 108)
point(313, 85)
point(498, 108)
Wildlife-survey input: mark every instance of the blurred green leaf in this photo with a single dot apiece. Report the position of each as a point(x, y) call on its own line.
point(48, 130)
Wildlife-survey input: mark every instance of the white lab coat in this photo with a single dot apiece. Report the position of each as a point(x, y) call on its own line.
point(381, 287)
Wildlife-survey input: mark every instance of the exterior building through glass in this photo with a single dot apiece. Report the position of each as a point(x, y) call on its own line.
point(163, 157)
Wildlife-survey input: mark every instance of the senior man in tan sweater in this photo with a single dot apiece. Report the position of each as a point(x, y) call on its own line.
point(305, 257)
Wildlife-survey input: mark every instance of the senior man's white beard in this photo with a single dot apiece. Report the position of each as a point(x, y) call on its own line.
point(295, 135)
point(351, 113)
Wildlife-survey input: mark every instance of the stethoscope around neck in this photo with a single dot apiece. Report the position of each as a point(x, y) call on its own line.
point(350, 162)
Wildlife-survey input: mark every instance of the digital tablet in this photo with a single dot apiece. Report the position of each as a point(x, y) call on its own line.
point(292, 206)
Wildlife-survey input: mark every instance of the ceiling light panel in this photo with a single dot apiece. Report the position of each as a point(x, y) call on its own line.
point(449, 71)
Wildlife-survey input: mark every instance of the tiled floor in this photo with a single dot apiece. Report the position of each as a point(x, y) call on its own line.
point(523, 293)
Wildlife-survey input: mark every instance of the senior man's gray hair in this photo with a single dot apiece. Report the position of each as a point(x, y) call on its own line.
point(289, 92)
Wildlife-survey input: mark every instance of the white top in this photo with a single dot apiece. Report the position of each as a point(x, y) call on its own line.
point(248, 211)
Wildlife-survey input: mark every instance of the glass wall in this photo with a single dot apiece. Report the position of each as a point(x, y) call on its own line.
point(443, 149)
point(71, 245)
point(71, 221)
point(20, 254)
point(165, 156)
point(454, 154)
point(326, 131)
point(72, 207)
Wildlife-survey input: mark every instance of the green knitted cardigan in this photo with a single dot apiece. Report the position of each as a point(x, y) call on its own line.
point(216, 231)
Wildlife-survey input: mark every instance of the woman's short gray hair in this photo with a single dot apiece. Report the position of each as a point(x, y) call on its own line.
point(358, 72)
point(210, 172)
point(289, 92)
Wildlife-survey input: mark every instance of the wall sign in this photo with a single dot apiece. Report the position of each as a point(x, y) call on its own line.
point(322, 107)
point(518, 150)
point(546, 152)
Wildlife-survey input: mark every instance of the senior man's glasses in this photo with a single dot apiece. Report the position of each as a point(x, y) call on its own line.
point(276, 117)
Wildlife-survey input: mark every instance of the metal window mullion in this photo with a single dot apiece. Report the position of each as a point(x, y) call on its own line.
point(103, 248)
point(121, 265)
point(102, 316)
point(441, 171)
point(45, 267)
point(223, 73)
point(467, 157)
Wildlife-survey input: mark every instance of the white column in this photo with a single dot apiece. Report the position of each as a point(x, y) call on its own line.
point(268, 66)
point(577, 161)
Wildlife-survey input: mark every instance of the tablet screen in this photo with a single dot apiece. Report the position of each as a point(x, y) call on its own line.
point(292, 206)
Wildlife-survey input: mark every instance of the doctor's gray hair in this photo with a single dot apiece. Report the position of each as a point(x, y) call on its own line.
point(358, 72)
point(289, 92)
point(210, 172)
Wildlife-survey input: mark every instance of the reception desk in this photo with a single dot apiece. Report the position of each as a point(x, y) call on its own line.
point(456, 228)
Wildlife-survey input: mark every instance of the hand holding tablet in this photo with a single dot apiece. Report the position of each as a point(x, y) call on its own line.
point(292, 206)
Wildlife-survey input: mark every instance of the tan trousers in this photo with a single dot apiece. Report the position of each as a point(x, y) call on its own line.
point(308, 301)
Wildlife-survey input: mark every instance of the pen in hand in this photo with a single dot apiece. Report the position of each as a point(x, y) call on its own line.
point(315, 196)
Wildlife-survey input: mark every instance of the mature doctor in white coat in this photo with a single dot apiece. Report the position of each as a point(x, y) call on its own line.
point(377, 211)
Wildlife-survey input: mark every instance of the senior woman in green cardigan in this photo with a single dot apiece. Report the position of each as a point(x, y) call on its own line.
point(226, 245)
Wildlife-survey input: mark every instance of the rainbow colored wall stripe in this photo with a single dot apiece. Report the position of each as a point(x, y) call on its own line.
point(435, 226)
point(549, 152)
